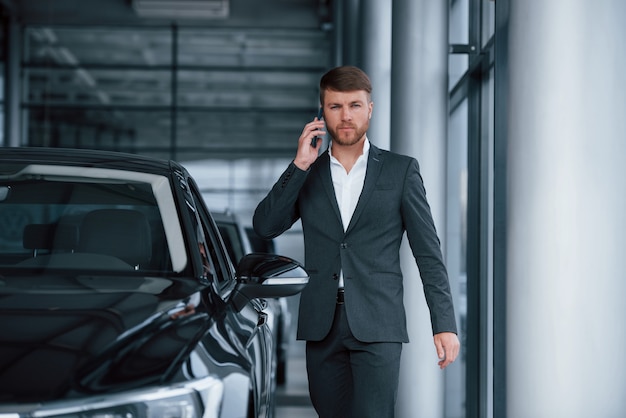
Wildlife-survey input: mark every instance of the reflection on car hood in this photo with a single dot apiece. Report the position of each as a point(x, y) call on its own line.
point(65, 335)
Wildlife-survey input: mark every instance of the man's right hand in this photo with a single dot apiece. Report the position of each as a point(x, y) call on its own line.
point(307, 154)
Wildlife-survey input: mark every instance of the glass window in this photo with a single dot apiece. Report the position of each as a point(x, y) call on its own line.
point(133, 89)
point(459, 21)
point(252, 48)
point(470, 218)
point(81, 86)
point(51, 220)
point(458, 35)
point(456, 248)
point(103, 88)
point(101, 128)
point(74, 46)
point(488, 20)
point(211, 247)
point(3, 44)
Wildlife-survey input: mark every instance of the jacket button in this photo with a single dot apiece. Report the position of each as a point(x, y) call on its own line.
point(335, 276)
point(343, 245)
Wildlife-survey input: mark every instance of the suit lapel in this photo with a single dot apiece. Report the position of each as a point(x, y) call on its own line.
point(327, 183)
point(374, 165)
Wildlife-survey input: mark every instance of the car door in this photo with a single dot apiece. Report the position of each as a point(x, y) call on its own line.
point(241, 342)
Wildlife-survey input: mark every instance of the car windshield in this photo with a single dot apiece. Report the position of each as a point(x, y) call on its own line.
point(86, 218)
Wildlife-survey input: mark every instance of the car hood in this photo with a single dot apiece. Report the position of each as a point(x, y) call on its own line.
point(62, 336)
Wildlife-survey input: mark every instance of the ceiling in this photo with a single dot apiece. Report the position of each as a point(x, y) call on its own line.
point(242, 84)
point(292, 14)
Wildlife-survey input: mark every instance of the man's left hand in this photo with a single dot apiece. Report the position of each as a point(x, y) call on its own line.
point(448, 346)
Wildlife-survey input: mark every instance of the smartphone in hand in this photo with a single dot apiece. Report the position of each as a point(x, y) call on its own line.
point(320, 115)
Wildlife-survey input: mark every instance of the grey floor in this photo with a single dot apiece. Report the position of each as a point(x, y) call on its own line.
point(292, 399)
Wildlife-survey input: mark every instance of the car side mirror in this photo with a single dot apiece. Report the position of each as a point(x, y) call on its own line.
point(267, 276)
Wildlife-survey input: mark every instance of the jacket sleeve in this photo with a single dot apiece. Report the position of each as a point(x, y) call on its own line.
point(278, 211)
point(426, 249)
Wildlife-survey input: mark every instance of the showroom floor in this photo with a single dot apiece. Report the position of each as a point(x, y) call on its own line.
point(292, 399)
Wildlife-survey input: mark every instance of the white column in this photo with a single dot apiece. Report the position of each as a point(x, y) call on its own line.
point(376, 62)
point(566, 227)
point(418, 128)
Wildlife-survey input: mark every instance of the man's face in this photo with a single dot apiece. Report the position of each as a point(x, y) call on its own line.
point(347, 115)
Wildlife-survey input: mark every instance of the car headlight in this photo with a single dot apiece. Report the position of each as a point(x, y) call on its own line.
point(196, 399)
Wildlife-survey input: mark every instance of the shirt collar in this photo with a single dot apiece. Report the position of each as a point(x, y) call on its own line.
point(366, 149)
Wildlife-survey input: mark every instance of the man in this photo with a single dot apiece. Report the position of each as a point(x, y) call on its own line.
point(355, 202)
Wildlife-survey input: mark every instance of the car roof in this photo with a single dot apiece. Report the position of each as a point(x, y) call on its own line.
point(225, 216)
point(87, 158)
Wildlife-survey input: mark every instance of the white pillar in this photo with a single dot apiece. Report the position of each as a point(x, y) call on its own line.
point(376, 62)
point(418, 128)
point(566, 219)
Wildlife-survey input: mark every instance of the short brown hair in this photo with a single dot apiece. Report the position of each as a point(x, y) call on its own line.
point(345, 78)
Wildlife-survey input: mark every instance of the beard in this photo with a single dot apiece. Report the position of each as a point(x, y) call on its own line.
point(347, 138)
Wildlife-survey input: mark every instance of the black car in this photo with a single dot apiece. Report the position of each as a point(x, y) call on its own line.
point(117, 297)
point(237, 240)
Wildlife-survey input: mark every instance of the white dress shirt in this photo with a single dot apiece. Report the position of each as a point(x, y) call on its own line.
point(348, 186)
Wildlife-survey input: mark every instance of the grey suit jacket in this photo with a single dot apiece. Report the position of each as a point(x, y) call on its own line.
point(393, 201)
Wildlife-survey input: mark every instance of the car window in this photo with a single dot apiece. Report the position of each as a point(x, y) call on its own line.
point(214, 248)
point(70, 222)
point(232, 240)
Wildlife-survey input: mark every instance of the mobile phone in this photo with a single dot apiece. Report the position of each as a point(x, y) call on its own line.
point(320, 115)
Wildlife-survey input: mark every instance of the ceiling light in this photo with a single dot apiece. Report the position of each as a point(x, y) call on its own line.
point(181, 9)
